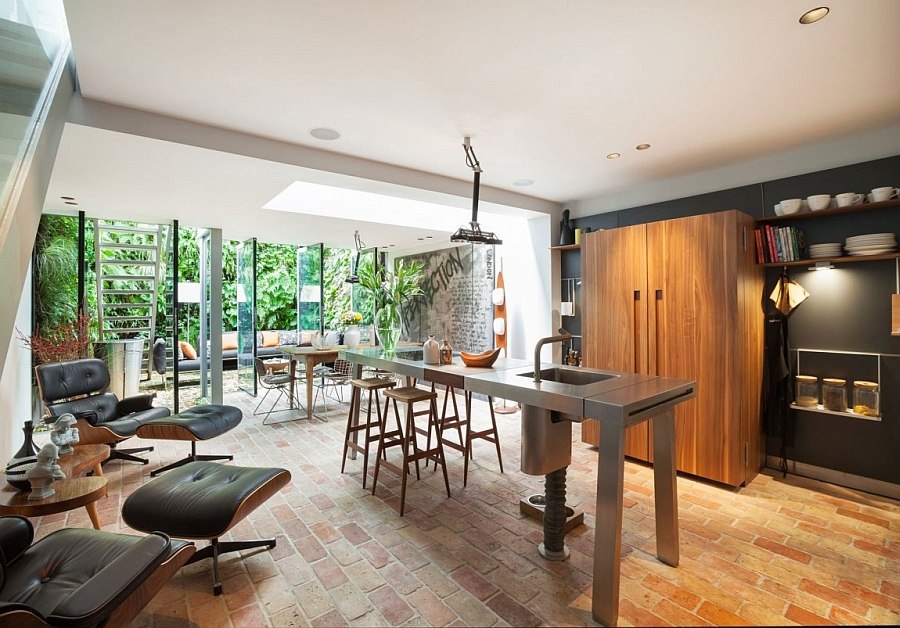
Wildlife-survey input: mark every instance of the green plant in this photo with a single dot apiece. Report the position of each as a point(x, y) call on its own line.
point(391, 288)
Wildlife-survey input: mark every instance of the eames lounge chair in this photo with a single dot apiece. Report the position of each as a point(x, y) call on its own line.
point(79, 387)
point(81, 577)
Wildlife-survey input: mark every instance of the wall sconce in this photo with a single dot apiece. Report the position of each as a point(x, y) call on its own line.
point(567, 307)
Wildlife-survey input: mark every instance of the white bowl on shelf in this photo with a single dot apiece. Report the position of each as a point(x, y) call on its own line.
point(791, 206)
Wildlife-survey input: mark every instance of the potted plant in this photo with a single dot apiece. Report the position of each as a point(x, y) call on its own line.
point(390, 291)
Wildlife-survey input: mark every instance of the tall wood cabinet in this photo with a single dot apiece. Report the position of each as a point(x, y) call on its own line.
point(683, 298)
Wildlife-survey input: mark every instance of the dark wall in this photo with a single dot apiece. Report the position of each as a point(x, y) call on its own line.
point(848, 309)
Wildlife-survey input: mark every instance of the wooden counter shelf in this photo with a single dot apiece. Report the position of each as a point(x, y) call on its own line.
point(846, 259)
point(865, 207)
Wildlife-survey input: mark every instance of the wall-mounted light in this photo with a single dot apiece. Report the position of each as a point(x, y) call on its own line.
point(822, 266)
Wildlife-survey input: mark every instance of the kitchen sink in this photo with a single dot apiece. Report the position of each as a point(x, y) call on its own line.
point(573, 376)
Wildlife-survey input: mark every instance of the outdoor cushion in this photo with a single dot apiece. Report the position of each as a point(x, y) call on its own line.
point(270, 339)
point(188, 350)
point(230, 340)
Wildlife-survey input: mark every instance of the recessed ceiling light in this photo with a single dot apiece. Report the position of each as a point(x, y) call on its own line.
point(642, 146)
point(71, 203)
point(428, 237)
point(614, 155)
point(324, 133)
point(813, 15)
point(67, 198)
point(523, 182)
point(423, 239)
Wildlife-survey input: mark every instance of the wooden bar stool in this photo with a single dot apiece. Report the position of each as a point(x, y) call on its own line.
point(406, 438)
point(454, 421)
point(372, 385)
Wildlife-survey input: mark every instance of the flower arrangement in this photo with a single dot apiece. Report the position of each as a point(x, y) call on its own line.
point(351, 318)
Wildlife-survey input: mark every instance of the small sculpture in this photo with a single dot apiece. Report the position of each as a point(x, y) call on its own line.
point(64, 433)
point(44, 472)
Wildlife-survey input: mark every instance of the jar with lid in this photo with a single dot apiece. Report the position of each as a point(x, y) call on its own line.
point(865, 398)
point(446, 353)
point(834, 394)
point(807, 393)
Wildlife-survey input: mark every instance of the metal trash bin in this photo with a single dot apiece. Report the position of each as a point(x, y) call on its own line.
point(123, 359)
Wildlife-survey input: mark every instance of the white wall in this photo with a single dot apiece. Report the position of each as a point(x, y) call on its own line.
point(527, 272)
point(15, 384)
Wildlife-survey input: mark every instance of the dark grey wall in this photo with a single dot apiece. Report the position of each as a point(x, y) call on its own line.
point(848, 308)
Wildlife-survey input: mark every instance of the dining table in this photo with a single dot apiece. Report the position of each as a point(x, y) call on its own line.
point(310, 357)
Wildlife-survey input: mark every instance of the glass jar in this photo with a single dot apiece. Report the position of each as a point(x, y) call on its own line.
point(807, 393)
point(834, 394)
point(865, 398)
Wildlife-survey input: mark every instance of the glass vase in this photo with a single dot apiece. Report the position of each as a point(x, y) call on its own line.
point(388, 325)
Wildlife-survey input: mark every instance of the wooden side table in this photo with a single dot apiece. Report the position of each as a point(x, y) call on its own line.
point(71, 493)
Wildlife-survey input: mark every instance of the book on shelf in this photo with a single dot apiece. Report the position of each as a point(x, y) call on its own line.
point(779, 244)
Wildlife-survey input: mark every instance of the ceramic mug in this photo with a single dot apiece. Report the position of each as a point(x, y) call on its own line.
point(848, 198)
point(884, 194)
point(791, 205)
point(818, 201)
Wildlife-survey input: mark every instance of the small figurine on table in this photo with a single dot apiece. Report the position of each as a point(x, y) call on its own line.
point(44, 472)
point(64, 433)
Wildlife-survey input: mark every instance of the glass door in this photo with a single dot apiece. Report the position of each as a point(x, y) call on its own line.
point(246, 316)
point(309, 288)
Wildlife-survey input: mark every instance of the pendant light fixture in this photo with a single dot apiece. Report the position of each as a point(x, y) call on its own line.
point(473, 232)
point(358, 244)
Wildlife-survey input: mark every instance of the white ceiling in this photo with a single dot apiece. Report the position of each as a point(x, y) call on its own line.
point(545, 89)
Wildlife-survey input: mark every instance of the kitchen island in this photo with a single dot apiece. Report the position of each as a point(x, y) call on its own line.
point(616, 400)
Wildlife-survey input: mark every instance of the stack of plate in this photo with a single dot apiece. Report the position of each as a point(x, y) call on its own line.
point(829, 249)
point(871, 244)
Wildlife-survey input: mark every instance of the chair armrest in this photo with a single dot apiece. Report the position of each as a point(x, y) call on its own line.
point(129, 405)
point(99, 596)
point(16, 534)
point(20, 615)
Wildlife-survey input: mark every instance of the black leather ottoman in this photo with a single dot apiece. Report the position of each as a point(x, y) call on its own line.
point(197, 423)
point(203, 500)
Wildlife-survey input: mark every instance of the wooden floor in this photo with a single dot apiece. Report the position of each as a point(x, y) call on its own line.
point(780, 551)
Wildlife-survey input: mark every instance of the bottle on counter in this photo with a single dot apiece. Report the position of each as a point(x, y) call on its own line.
point(865, 398)
point(431, 351)
point(446, 352)
point(834, 394)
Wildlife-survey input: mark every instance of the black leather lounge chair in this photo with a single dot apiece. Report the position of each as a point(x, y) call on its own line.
point(79, 577)
point(79, 387)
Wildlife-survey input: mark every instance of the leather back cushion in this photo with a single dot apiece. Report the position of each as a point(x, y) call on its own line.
point(63, 380)
point(106, 407)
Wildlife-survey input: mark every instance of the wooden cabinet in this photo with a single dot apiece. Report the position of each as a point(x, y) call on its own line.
point(682, 298)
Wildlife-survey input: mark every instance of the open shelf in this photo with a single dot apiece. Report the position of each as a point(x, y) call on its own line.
point(565, 247)
point(831, 212)
point(811, 261)
point(822, 410)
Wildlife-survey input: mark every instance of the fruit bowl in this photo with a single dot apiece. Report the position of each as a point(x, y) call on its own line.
point(484, 359)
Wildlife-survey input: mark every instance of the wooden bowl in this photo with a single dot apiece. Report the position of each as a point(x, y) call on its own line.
point(482, 360)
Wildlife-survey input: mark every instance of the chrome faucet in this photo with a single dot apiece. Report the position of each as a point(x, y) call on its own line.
point(562, 337)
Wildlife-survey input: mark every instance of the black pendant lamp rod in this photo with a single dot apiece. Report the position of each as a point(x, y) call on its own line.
point(473, 232)
point(358, 243)
point(472, 162)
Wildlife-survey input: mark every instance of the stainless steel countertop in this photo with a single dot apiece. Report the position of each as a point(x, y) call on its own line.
point(624, 397)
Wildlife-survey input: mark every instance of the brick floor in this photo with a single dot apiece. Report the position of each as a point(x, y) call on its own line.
point(779, 551)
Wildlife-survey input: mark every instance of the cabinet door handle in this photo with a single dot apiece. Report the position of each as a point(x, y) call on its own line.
point(636, 332)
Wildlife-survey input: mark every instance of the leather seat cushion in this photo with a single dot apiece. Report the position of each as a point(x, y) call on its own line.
point(128, 426)
point(49, 571)
point(203, 422)
point(200, 499)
